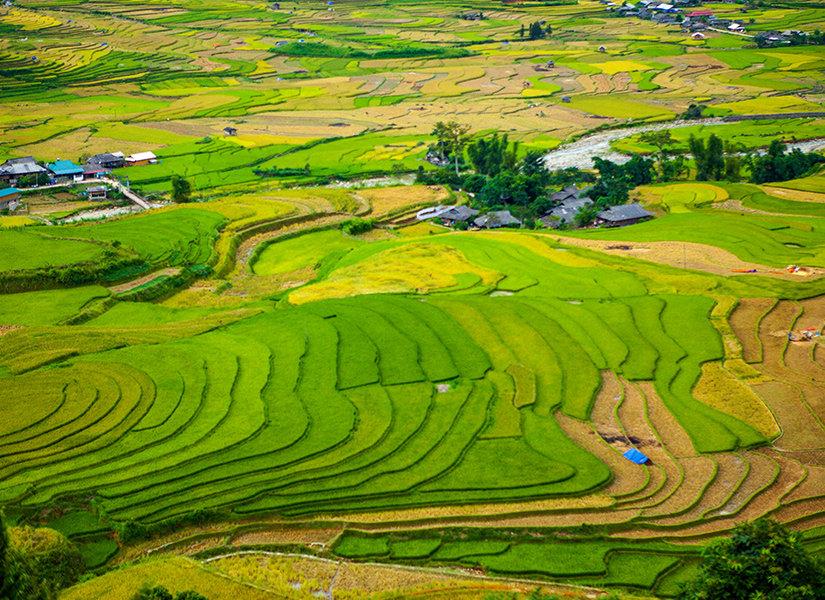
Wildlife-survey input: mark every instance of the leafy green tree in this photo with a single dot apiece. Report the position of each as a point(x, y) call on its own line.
point(586, 215)
point(457, 135)
point(533, 164)
point(487, 155)
point(440, 132)
point(181, 190)
point(661, 139)
point(474, 183)
point(715, 157)
point(153, 593)
point(761, 560)
point(776, 165)
point(709, 157)
point(638, 171)
point(535, 32)
point(521, 31)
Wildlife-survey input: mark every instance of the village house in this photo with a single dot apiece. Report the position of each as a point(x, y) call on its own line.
point(624, 214)
point(230, 131)
point(15, 168)
point(112, 160)
point(565, 213)
point(8, 198)
point(96, 192)
point(496, 219)
point(456, 214)
point(140, 159)
point(65, 171)
point(94, 171)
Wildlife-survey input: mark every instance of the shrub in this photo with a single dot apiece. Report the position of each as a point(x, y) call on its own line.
point(356, 226)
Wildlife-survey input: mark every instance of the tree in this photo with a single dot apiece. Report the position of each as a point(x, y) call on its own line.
point(535, 32)
point(440, 132)
point(586, 215)
point(761, 561)
point(660, 139)
point(457, 135)
point(161, 593)
point(709, 158)
point(521, 31)
point(181, 190)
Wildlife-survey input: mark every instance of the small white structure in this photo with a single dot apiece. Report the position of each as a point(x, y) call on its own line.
point(141, 158)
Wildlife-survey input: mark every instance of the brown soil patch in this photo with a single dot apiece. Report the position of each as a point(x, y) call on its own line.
point(796, 195)
point(745, 321)
point(48, 208)
point(371, 578)
point(790, 473)
point(809, 458)
point(731, 471)
point(4, 329)
point(800, 510)
point(603, 83)
point(628, 477)
point(633, 417)
point(673, 436)
point(812, 487)
point(130, 285)
point(800, 429)
point(604, 414)
point(736, 206)
point(466, 514)
point(773, 333)
point(687, 255)
point(799, 359)
point(207, 66)
point(385, 200)
point(287, 536)
point(761, 474)
point(699, 471)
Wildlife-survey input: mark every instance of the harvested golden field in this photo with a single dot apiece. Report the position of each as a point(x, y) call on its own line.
point(745, 321)
point(719, 389)
point(386, 200)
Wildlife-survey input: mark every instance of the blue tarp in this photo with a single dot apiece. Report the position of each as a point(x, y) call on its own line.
point(634, 455)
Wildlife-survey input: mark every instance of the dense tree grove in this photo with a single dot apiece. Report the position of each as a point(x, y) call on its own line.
point(760, 561)
point(779, 165)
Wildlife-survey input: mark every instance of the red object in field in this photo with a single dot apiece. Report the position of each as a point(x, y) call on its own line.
point(810, 329)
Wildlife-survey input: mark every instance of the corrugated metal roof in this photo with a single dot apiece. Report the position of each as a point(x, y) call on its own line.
point(65, 167)
point(624, 212)
point(141, 156)
point(8, 192)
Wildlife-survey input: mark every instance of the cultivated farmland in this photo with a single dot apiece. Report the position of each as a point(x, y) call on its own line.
point(276, 405)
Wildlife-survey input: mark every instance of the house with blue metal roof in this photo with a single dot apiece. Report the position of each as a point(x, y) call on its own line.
point(66, 169)
point(8, 197)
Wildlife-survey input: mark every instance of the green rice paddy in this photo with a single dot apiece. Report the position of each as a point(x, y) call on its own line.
point(486, 379)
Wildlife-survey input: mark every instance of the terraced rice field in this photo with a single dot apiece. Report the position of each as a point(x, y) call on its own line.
point(413, 397)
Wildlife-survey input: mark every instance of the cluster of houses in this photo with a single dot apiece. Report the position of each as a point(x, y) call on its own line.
point(671, 14)
point(452, 215)
point(568, 203)
point(16, 170)
point(19, 171)
point(781, 38)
